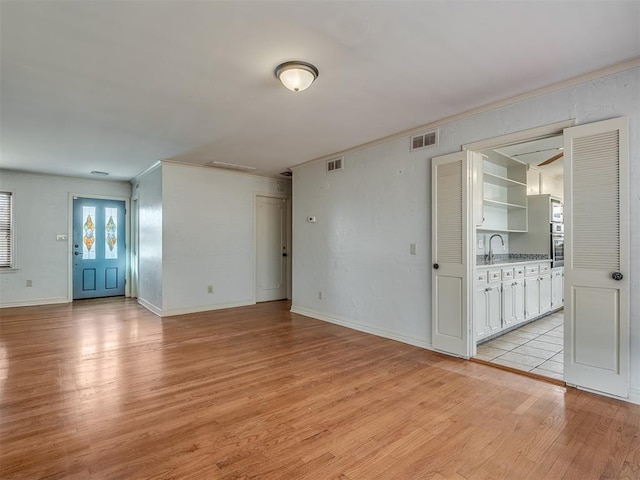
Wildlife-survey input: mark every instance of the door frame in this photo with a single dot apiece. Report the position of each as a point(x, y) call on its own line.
point(514, 138)
point(288, 221)
point(127, 238)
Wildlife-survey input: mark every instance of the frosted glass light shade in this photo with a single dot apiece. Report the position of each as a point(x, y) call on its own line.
point(296, 76)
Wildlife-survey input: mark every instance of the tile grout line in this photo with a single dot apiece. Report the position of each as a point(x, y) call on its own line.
point(527, 368)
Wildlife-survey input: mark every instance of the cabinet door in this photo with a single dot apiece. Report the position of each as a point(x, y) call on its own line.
point(508, 304)
point(532, 297)
point(480, 311)
point(518, 301)
point(494, 300)
point(545, 293)
point(556, 288)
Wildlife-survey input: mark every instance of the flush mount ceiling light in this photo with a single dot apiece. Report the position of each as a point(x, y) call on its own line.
point(296, 76)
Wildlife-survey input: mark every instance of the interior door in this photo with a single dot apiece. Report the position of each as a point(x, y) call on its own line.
point(597, 256)
point(452, 241)
point(99, 262)
point(271, 249)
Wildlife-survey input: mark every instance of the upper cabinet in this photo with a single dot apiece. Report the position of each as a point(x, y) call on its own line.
point(504, 199)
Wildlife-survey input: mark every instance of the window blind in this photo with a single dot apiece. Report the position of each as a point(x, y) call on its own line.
point(6, 234)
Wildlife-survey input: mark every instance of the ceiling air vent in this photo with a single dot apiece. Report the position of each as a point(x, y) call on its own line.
point(429, 139)
point(231, 166)
point(335, 164)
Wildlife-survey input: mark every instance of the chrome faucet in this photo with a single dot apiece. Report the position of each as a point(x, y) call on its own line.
point(490, 249)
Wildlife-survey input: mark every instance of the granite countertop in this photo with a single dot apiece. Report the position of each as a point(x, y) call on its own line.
point(505, 259)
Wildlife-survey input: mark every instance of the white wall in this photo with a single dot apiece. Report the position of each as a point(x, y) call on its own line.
point(41, 211)
point(201, 223)
point(358, 251)
point(148, 187)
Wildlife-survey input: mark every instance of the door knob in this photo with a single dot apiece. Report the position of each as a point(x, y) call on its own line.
point(617, 276)
point(436, 266)
point(77, 253)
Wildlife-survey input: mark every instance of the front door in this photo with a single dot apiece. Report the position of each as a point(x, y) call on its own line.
point(271, 248)
point(99, 262)
point(597, 331)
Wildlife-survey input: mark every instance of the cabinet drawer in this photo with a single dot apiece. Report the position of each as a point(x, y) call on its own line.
point(531, 270)
point(518, 272)
point(545, 268)
point(481, 277)
point(507, 273)
point(495, 275)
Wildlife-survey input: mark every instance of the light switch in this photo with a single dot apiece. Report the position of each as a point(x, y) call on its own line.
point(412, 249)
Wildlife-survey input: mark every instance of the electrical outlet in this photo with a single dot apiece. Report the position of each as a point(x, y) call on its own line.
point(412, 249)
point(209, 288)
point(29, 283)
point(320, 295)
point(480, 242)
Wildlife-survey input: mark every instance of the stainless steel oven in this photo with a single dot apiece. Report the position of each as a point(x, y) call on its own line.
point(557, 250)
point(557, 211)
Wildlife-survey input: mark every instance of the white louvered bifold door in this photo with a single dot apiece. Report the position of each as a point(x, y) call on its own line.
point(597, 256)
point(451, 230)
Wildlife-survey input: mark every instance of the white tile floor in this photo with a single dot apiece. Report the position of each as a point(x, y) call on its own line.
point(536, 347)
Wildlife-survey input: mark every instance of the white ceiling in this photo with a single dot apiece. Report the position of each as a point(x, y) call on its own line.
point(117, 85)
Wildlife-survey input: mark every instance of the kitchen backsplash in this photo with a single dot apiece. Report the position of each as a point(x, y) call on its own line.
point(510, 258)
point(498, 249)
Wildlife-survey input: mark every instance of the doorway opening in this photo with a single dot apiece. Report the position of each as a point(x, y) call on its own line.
point(273, 238)
point(518, 296)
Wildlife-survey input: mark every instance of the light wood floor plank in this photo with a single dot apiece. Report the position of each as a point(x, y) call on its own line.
point(103, 389)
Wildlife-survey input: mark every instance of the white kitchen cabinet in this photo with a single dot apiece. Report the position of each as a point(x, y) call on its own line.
point(512, 303)
point(532, 297)
point(504, 193)
point(532, 291)
point(545, 293)
point(557, 288)
point(487, 306)
point(507, 296)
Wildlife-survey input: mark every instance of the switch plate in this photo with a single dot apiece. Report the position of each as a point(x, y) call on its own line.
point(61, 237)
point(412, 249)
point(480, 242)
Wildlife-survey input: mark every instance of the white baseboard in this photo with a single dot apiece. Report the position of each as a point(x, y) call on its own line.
point(416, 342)
point(33, 303)
point(183, 311)
point(149, 306)
point(634, 395)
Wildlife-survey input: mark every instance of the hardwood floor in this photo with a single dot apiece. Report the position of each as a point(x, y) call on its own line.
point(104, 389)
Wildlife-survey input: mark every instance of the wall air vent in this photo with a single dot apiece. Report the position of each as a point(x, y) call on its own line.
point(424, 140)
point(335, 164)
point(231, 166)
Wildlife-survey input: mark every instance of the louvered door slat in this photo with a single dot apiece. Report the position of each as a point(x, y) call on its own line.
point(449, 200)
point(595, 222)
